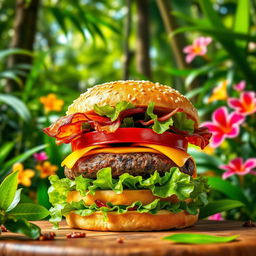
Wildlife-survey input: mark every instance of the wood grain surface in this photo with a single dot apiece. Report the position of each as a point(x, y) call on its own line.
point(135, 243)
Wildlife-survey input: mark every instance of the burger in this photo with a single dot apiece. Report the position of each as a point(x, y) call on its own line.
point(129, 169)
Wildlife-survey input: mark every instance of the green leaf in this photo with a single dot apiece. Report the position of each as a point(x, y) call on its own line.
point(20, 158)
point(60, 18)
point(228, 189)
point(202, 70)
point(242, 20)
point(59, 189)
point(103, 180)
point(113, 112)
point(5, 149)
point(76, 22)
point(42, 195)
point(192, 93)
point(211, 14)
point(37, 68)
point(189, 20)
point(173, 182)
point(219, 206)
point(99, 32)
point(15, 201)
point(227, 40)
point(8, 189)
point(158, 127)
point(17, 105)
point(218, 33)
point(179, 72)
point(207, 162)
point(127, 122)
point(9, 74)
point(22, 226)
point(8, 52)
point(191, 238)
point(183, 123)
point(98, 20)
point(29, 211)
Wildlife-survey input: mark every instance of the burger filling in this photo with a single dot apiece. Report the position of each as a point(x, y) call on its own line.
point(127, 148)
point(190, 193)
point(133, 163)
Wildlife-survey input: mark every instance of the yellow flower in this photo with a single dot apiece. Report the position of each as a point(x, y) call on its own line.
point(25, 176)
point(220, 92)
point(46, 169)
point(51, 102)
point(208, 150)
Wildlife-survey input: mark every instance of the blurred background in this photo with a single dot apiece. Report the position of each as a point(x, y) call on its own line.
point(52, 50)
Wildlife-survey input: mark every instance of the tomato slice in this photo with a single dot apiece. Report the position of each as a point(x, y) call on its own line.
point(130, 135)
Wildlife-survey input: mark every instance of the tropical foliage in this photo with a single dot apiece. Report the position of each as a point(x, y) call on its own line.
point(209, 55)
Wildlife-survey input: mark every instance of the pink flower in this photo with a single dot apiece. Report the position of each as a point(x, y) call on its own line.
point(246, 105)
point(223, 125)
point(42, 156)
point(198, 48)
point(236, 166)
point(216, 216)
point(240, 86)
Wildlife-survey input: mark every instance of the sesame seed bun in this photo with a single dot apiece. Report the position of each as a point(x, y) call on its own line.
point(139, 93)
point(132, 220)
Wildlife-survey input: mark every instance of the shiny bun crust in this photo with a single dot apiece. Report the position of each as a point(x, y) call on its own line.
point(139, 93)
point(132, 221)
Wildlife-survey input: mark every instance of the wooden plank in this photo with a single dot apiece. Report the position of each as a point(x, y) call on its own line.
point(135, 243)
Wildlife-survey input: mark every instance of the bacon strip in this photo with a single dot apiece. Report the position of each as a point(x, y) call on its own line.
point(200, 137)
point(66, 128)
point(162, 118)
point(110, 127)
point(69, 128)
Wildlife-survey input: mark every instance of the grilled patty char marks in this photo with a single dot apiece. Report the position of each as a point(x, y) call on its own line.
point(133, 163)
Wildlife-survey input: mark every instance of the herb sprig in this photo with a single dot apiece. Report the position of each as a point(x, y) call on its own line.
point(191, 238)
point(15, 216)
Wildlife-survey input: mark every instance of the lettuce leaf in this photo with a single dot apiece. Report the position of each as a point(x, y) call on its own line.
point(155, 206)
point(113, 112)
point(158, 127)
point(181, 122)
point(127, 122)
point(173, 182)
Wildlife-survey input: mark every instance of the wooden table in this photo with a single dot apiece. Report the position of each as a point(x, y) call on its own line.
point(135, 243)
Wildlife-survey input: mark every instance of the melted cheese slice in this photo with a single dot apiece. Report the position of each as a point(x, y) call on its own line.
point(178, 156)
point(72, 158)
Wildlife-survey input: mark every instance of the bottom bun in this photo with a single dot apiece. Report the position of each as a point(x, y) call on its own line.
point(132, 221)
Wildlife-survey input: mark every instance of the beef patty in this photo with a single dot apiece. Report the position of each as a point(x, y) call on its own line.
point(133, 163)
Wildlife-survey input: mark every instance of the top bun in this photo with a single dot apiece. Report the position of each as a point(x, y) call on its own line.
point(139, 93)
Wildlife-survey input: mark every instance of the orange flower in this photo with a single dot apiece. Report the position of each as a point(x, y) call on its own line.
point(51, 103)
point(25, 176)
point(220, 92)
point(46, 169)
